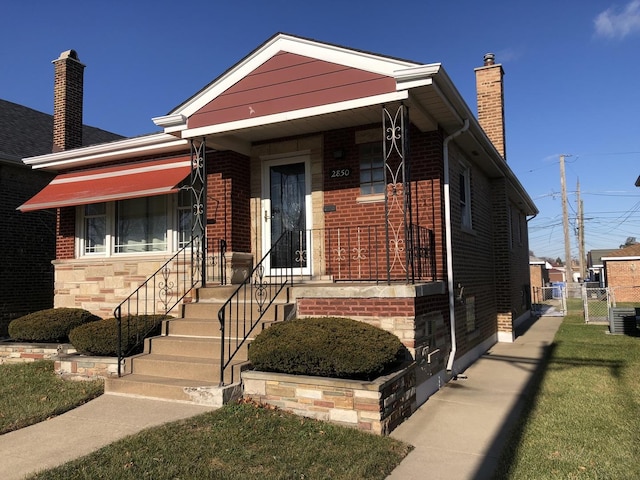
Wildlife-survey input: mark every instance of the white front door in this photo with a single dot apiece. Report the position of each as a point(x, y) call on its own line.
point(286, 208)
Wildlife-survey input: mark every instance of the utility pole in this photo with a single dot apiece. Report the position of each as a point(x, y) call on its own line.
point(565, 223)
point(580, 222)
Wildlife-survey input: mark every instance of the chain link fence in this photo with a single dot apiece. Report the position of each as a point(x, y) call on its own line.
point(549, 301)
point(596, 302)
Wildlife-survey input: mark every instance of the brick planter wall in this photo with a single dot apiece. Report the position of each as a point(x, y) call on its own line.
point(378, 406)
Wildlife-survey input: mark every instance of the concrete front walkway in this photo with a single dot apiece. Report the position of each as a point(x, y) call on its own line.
point(83, 430)
point(459, 433)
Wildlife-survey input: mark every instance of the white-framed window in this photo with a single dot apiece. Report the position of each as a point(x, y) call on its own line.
point(134, 226)
point(371, 168)
point(184, 217)
point(95, 228)
point(465, 197)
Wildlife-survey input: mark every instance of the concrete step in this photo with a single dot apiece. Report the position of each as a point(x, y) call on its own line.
point(205, 370)
point(206, 328)
point(174, 389)
point(192, 327)
point(222, 293)
point(196, 347)
point(209, 310)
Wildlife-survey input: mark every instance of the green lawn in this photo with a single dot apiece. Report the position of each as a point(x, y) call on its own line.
point(241, 441)
point(32, 392)
point(584, 421)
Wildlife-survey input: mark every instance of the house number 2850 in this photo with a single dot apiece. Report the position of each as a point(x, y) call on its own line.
point(343, 172)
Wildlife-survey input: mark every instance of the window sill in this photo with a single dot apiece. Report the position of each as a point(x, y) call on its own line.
point(376, 198)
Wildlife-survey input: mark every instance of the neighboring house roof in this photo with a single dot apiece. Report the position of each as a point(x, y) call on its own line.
point(594, 259)
point(632, 252)
point(539, 261)
point(25, 132)
point(535, 261)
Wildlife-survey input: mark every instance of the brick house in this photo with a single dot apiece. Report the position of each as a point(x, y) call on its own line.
point(622, 273)
point(396, 205)
point(539, 273)
point(26, 273)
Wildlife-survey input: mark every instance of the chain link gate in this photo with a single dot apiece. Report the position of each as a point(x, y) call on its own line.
point(549, 301)
point(596, 304)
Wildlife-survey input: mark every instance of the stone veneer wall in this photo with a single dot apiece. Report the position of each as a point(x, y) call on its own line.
point(378, 406)
point(66, 361)
point(99, 285)
point(30, 352)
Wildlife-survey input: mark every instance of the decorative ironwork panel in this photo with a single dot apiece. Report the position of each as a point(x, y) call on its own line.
point(198, 188)
point(397, 194)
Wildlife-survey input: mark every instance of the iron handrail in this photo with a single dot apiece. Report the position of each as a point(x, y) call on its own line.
point(254, 295)
point(143, 301)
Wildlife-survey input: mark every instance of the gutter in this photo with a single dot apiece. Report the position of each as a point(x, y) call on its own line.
point(448, 240)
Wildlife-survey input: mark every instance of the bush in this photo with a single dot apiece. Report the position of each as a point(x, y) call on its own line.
point(327, 347)
point(101, 338)
point(52, 325)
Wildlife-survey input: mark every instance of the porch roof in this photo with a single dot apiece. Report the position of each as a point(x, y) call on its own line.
point(144, 179)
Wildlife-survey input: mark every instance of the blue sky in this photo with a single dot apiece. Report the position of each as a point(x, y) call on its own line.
point(571, 76)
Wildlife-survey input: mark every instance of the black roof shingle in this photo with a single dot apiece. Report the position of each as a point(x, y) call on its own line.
point(25, 132)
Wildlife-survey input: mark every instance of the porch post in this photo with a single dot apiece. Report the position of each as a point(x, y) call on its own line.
point(198, 189)
point(397, 193)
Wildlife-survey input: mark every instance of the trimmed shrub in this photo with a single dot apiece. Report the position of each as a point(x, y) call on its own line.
point(52, 325)
point(101, 338)
point(327, 347)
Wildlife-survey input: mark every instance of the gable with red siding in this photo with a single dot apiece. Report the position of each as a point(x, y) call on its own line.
point(288, 82)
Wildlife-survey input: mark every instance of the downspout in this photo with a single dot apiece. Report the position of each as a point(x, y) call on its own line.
point(448, 241)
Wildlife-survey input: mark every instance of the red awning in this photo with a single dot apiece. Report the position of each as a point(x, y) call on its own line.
point(119, 182)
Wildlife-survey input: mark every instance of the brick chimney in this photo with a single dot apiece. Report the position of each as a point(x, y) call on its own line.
point(490, 92)
point(67, 101)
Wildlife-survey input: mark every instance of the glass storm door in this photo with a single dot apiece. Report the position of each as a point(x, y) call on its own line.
point(286, 211)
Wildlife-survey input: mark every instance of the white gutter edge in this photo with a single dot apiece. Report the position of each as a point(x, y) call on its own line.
point(448, 239)
point(155, 140)
point(613, 259)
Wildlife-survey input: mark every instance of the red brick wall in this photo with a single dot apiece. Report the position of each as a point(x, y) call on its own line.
point(65, 233)
point(228, 200)
point(343, 192)
point(357, 307)
point(621, 275)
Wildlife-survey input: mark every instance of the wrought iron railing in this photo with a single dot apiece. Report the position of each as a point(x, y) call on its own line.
point(422, 253)
point(246, 307)
point(142, 311)
point(362, 254)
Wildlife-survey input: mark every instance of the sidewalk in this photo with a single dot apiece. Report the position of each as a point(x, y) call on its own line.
point(459, 433)
point(83, 430)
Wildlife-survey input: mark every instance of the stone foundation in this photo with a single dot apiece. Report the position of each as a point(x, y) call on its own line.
point(66, 361)
point(378, 406)
point(12, 352)
point(86, 367)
